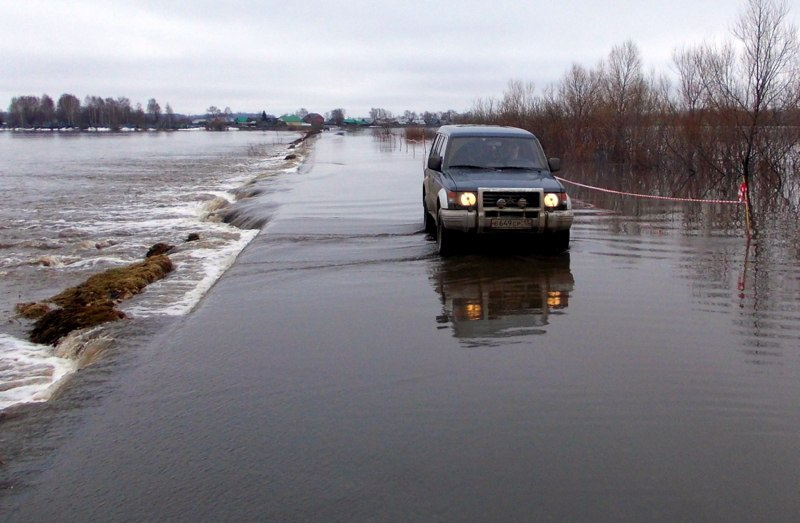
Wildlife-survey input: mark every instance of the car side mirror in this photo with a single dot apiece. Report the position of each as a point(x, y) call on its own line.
point(435, 163)
point(554, 164)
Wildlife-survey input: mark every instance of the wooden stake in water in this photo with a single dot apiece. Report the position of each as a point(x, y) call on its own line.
point(744, 196)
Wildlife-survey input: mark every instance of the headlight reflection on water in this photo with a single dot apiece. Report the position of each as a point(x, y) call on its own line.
point(554, 299)
point(468, 311)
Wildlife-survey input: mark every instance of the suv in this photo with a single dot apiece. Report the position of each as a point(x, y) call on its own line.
point(493, 180)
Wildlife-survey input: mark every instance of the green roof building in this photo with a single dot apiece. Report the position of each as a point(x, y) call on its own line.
point(291, 118)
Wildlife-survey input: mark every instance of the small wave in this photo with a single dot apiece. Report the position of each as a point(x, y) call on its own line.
point(100, 260)
point(197, 269)
point(29, 372)
point(42, 244)
point(83, 346)
point(243, 219)
point(52, 261)
point(215, 204)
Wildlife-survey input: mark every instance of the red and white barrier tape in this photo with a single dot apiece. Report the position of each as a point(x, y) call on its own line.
point(653, 197)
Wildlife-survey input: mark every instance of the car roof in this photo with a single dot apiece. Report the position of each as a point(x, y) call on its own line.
point(483, 130)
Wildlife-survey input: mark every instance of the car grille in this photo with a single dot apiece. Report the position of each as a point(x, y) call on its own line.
point(490, 200)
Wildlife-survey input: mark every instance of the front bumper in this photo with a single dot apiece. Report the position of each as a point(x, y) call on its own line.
point(474, 221)
point(508, 210)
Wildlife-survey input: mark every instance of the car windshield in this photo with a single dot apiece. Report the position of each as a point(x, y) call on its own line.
point(495, 152)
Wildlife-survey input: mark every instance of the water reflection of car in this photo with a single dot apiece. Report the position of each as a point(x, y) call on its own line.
point(495, 298)
point(490, 179)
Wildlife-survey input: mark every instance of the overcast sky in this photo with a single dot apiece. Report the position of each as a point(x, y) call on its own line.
point(279, 56)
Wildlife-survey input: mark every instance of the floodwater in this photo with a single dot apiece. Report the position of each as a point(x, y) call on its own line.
point(341, 371)
point(73, 205)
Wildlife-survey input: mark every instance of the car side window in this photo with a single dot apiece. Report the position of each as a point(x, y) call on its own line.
point(437, 146)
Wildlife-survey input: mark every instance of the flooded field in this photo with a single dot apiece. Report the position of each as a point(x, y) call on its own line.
point(340, 370)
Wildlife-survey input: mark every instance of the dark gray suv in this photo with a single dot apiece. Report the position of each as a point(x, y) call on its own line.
point(493, 180)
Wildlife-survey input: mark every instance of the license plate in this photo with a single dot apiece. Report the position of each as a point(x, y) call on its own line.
point(512, 223)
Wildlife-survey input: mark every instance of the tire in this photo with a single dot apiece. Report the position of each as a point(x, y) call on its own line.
point(446, 241)
point(559, 242)
point(430, 223)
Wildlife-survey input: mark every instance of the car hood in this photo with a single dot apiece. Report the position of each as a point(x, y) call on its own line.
point(472, 179)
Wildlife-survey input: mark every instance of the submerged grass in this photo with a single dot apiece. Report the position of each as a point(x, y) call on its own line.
point(92, 302)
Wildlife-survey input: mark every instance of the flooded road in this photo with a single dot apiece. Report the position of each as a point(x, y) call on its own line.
point(341, 371)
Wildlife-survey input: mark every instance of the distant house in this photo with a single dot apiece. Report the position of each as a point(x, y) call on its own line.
point(243, 121)
point(314, 119)
point(292, 120)
point(354, 121)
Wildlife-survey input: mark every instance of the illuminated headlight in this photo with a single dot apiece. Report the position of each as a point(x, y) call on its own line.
point(467, 199)
point(551, 200)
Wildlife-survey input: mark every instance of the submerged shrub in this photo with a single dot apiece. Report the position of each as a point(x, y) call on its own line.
point(92, 302)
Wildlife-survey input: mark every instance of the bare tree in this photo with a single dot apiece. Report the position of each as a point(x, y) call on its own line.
point(138, 116)
point(519, 103)
point(337, 116)
point(68, 110)
point(154, 111)
point(484, 110)
point(379, 114)
point(24, 111)
point(93, 111)
point(112, 114)
point(751, 86)
point(579, 94)
point(170, 116)
point(623, 88)
point(47, 110)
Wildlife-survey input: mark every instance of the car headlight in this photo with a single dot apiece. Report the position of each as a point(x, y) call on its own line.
point(467, 199)
point(461, 199)
point(551, 200)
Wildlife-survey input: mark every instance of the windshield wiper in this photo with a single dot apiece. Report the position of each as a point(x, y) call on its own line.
point(465, 166)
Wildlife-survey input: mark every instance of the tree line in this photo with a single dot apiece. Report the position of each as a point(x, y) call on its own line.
point(731, 114)
point(95, 111)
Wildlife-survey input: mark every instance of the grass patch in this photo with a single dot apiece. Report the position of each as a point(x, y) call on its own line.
point(92, 302)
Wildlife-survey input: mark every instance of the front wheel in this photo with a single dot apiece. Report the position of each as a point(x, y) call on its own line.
point(446, 242)
point(430, 223)
point(559, 242)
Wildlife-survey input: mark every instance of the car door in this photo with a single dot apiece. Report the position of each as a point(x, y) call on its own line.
point(432, 182)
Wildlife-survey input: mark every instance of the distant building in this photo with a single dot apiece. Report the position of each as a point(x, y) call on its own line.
point(292, 120)
point(354, 121)
point(314, 119)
